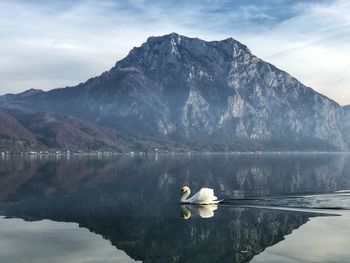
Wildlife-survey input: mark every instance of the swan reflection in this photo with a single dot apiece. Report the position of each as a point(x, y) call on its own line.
point(203, 211)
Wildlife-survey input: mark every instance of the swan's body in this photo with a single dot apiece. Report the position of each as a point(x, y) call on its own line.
point(205, 196)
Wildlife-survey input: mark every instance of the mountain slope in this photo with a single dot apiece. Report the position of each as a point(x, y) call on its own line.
point(13, 135)
point(66, 132)
point(23, 130)
point(215, 95)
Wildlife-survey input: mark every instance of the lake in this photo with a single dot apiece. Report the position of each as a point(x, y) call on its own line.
point(276, 208)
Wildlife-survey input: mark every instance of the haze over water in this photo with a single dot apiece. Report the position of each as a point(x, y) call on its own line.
point(277, 208)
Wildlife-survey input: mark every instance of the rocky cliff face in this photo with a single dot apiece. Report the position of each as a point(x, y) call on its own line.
point(215, 94)
point(346, 124)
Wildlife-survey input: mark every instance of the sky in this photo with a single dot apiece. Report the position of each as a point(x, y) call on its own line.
point(49, 44)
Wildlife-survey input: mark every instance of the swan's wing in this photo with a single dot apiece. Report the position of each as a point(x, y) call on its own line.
point(206, 211)
point(204, 196)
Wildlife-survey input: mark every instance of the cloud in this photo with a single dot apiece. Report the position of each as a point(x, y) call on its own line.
point(48, 44)
point(313, 46)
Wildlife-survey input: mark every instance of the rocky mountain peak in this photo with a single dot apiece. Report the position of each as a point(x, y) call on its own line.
point(174, 51)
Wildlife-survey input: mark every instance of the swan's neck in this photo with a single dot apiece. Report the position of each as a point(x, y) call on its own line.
point(184, 197)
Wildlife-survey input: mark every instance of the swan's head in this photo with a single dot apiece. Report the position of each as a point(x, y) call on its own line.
point(185, 190)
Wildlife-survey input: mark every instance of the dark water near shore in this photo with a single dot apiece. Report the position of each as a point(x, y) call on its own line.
point(277, 208)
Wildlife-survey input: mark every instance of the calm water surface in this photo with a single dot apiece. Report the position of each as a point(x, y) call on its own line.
point(277, 208)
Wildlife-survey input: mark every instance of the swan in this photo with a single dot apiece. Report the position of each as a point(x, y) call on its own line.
point(205, 196)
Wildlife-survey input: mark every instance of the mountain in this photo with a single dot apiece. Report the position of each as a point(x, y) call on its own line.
point(44, 130)
point(208, 95)
point(23, 130)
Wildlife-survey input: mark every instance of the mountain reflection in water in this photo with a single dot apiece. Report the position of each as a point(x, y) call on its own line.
point(132, 201)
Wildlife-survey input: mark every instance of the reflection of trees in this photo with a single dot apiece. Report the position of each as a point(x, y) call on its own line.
point(154, 178)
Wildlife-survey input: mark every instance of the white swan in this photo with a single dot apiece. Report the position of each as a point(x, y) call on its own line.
point(205, 196)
